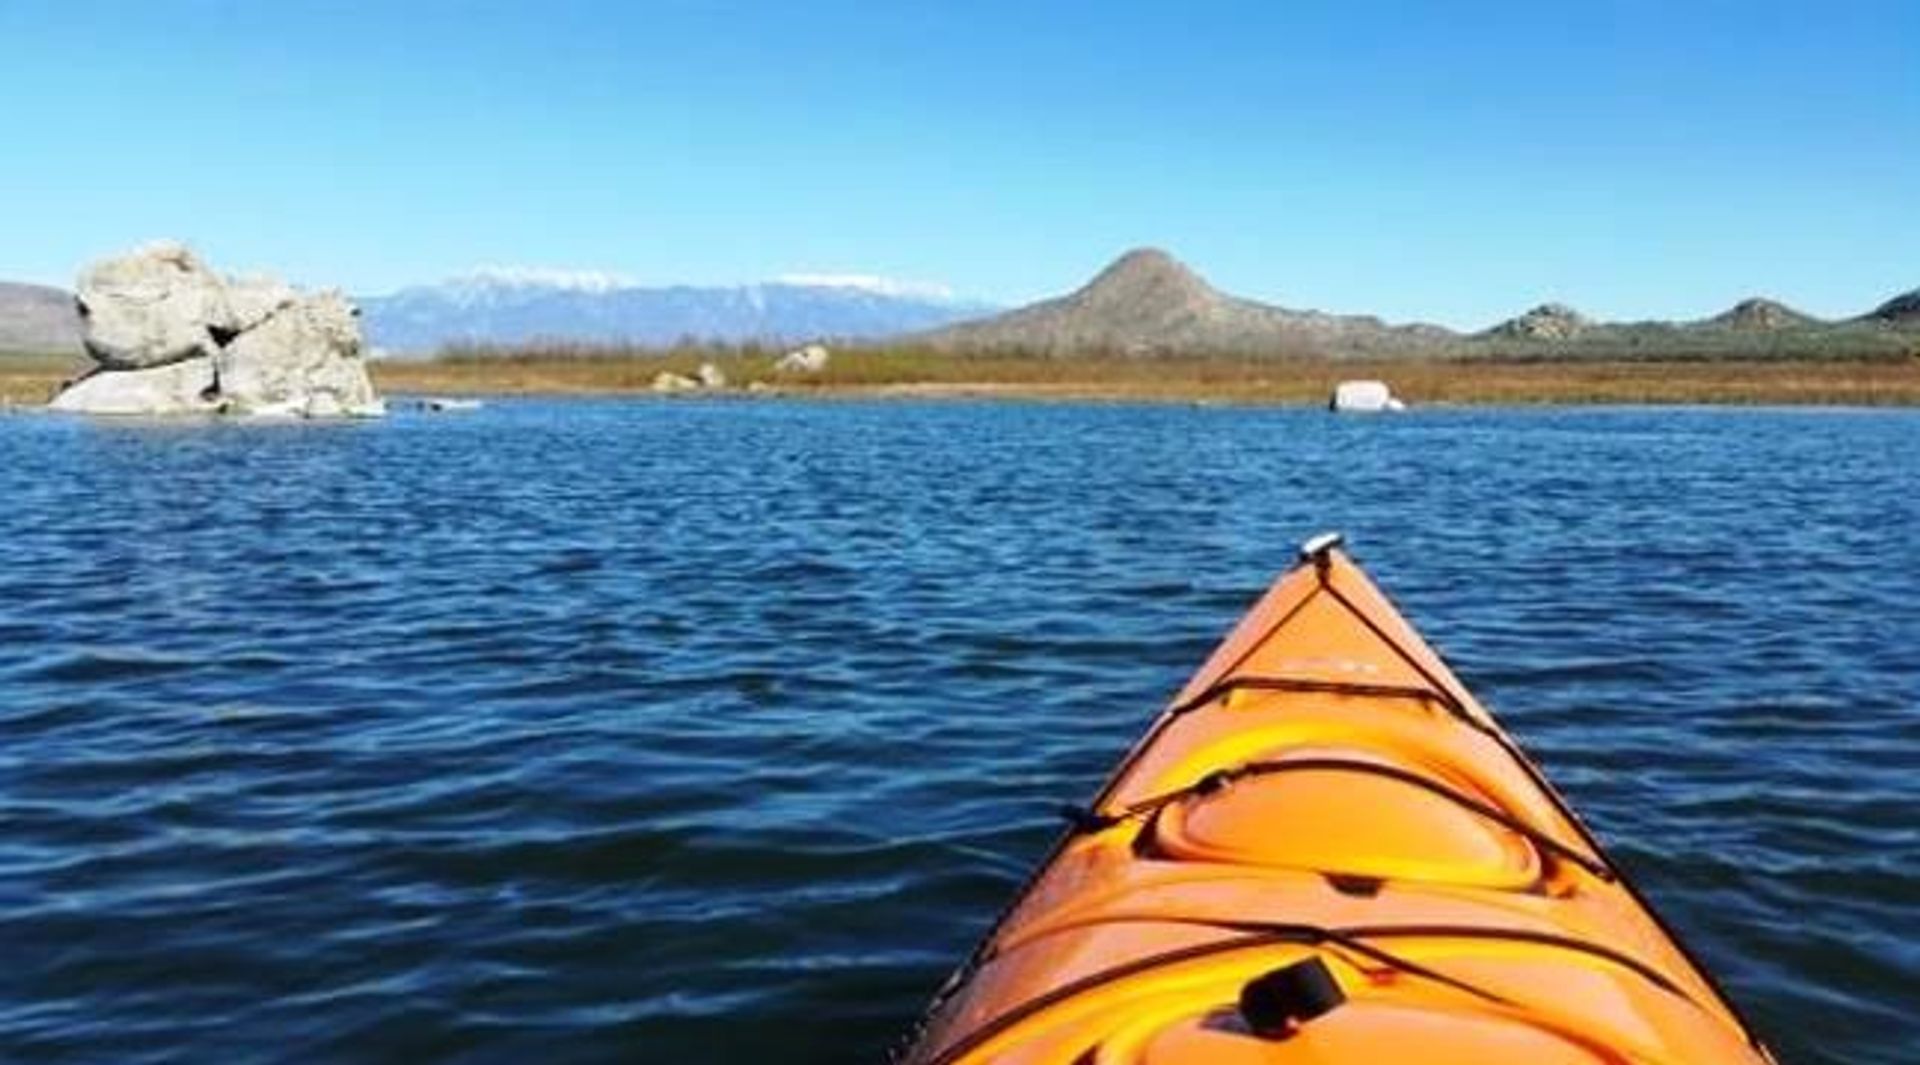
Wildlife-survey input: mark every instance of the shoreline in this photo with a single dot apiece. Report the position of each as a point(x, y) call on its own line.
point(907, 375)
point(27, 382)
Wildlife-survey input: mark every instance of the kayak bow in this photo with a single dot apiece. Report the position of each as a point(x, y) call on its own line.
point(1326, 850)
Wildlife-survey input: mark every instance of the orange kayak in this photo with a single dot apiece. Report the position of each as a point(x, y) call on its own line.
point(1325, 850)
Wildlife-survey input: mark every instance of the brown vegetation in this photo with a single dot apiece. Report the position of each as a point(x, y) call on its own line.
point(906, 373)
point(27, 380)
point(1249, 380)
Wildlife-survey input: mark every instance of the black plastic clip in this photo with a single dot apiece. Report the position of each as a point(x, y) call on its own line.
point(1277, 1004)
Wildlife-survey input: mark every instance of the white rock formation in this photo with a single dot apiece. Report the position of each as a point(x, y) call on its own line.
point(1364, 397)
point(253, 300)
point(154, 306)
point(811, 359)
point(185, 387)
point(302, 359)
point(173, 337)
point(710, 376)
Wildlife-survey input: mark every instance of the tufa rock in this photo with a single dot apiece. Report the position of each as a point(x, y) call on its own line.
point(156, 305)
point(186, 387)
point(710, 376)
point(242, 346)
point(303, 358)
point(252, 300)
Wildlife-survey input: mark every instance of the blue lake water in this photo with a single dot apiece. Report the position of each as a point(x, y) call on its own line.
point(718, 731)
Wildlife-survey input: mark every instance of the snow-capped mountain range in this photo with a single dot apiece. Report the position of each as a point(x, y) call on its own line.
point(516, 305)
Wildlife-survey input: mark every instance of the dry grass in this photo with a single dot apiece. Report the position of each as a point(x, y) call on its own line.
point(29, 380)
point(1277, 381)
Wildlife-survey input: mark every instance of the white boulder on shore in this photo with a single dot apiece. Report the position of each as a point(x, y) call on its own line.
point(668, 381)
point(707, 378)
point(170, 336)
point(811, 359)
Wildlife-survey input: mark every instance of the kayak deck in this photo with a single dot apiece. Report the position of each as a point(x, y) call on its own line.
point(1326, 850)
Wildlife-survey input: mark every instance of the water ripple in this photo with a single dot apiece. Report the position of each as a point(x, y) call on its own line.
point(718, 731)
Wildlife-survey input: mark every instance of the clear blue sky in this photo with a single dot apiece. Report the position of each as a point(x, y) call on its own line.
point(1447, 161)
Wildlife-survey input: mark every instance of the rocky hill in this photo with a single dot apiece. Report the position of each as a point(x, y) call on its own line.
point(1148, 303)
point(1549, 321)
point(1760, 316)
point(1754, 328)
point(36, 319)
point(1902, 311)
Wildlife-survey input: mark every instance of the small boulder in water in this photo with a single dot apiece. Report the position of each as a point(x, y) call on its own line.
point(448, 404)
point(1364, 397)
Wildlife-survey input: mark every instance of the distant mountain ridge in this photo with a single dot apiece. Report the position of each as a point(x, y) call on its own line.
point(38, 319)
point(1148, 303)
point(515, 308)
